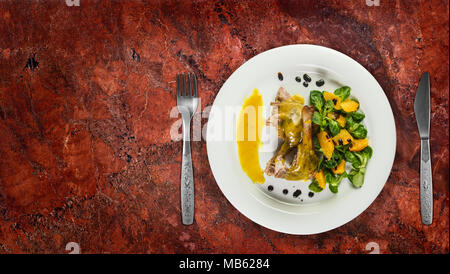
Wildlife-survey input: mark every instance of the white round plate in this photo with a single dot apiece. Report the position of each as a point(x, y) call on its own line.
point(285, 213)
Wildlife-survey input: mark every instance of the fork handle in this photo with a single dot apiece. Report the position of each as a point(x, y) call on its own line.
point(426, 183)
point(187, 178)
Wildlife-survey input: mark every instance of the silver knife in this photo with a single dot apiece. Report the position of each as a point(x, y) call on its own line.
point(422, 111)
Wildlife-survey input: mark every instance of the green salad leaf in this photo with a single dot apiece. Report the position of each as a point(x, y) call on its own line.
point(333, 126)
point(360, 132)
point(334, 160)
point(359, 164)
point(356, 129)
point(364, 156)
point(358, 116)
point(314, 186)
point(335, 181)
point(316, 99)
point(343, 92)
point(317, 118)
point(356, 177)
point(351, 158)
point(328, 107)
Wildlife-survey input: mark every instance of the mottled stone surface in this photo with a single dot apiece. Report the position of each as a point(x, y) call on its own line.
point(85, 100)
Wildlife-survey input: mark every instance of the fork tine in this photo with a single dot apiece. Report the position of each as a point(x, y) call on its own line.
point(183, 90)
point(195, 84)
point(189, 90)
point(178, 86)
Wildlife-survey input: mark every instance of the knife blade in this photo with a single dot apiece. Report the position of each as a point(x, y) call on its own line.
point(422, 106)
point(422, 112)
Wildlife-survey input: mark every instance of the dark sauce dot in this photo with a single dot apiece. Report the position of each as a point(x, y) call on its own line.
point(285, 191)
point(280, 76)
point(305, 84)
point(297, 193)
point(349, 140)
point(311, 194)
point(301, 200)
point(320, 83)
point(298, 79)
point(306, 77)
point(270, 188)
point(340, 142)
point(334, 101)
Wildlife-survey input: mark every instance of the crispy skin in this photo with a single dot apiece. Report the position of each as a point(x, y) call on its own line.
point(274, 118)
point(307, 114)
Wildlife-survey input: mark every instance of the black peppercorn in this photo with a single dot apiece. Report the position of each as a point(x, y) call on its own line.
point(306, 77)
point(297, 193)
point(280, 76)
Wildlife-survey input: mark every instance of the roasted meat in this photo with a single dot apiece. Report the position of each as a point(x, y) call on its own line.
point(305, 161)
point(293, 122)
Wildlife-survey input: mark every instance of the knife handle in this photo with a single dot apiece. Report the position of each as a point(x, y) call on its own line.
point(426, 183)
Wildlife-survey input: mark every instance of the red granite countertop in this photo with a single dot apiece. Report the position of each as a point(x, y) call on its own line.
point(85, 99)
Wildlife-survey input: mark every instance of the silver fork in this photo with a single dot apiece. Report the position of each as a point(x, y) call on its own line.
point(187, 101)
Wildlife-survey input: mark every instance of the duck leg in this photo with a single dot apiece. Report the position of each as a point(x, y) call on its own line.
point(305, 161)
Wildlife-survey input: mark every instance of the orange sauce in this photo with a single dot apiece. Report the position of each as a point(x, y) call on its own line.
point(249, 129)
